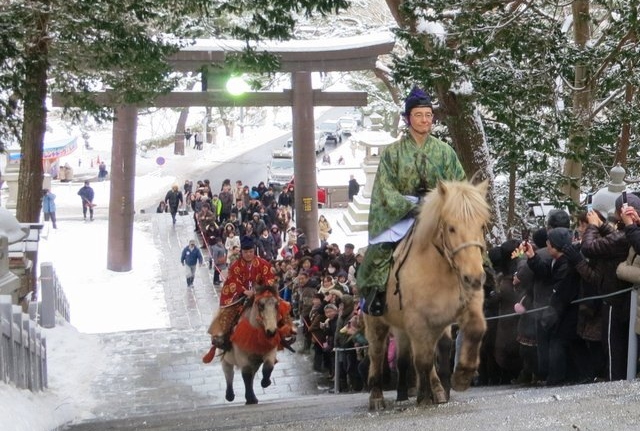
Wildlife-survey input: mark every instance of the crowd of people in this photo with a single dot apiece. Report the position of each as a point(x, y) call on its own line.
point(570, 290)
point(255, 224)
point(564, 293)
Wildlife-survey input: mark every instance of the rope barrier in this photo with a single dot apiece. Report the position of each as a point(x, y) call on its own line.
point(575, 301)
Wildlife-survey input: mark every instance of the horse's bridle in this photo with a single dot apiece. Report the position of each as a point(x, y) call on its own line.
point(449, 254)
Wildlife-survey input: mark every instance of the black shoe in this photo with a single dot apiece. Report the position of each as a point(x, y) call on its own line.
point(374, 305)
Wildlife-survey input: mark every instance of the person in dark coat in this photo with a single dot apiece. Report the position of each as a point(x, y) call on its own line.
point(354, 188)
point(561, 317)
point(86, 194)
point(606, 246)
point(174, 200)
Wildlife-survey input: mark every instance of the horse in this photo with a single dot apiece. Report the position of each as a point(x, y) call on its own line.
point(261, 331)
point(435, 281)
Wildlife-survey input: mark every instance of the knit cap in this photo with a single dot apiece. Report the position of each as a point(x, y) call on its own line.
point(559, 237)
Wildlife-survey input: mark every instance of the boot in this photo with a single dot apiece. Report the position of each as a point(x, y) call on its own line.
point(374, 303)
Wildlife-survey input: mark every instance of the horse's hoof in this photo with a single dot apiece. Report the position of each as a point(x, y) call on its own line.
point(440, 397)
point(252, 401)
point(461, 380)
point(265, 383)
point(230, 396)
point(423, 400)
point(376, 404)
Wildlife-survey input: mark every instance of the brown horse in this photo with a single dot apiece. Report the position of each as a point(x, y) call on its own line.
point(255, 341)
point(436, 280)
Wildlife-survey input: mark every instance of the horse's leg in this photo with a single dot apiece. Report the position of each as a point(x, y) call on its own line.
point(473, 327)
point(441, 388)
point(403, 361)
point(248, 372)
point(423, 344)
point(227, 368)
point(376, 333)
point(267, 369)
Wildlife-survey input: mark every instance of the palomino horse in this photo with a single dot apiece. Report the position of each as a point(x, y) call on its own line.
point(255, 341)
point(436, 280)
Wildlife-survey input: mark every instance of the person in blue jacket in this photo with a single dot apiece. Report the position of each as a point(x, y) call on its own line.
point(191, 257)
point(49, 207)
point(86, 194)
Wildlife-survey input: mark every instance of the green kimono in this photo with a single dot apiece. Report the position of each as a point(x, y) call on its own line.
point(405, 169)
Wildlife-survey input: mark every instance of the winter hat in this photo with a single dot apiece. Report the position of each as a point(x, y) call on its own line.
point(416, 98)
point(559, 237)
point(342, 274)
point(540, 238)
point(246, 243)
point(632, 201)
point(558, 218)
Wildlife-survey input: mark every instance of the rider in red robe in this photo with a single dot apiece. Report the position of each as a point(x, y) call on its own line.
point(245, 273)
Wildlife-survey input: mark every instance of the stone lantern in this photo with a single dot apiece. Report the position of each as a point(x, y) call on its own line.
point(356, 218)
point(11, 232)
point(604, 199)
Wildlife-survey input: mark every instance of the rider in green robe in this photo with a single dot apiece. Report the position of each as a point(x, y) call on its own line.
point(408, 169)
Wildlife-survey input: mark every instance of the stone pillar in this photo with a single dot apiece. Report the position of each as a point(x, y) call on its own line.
point(121, 200)
point(10, 176)
point(605, 198)
point(356, 218)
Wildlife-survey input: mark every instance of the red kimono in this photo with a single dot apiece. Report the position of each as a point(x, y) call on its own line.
point(244, 275)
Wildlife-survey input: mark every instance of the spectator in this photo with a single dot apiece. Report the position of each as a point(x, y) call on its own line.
point(102, 171)
point(190, 258)
point(324, 228)
point(218, 260)
point(86, 194)
point(49, 207)
point(174, 200)
point(354, 187)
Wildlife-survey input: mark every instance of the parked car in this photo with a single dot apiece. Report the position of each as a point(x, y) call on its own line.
point(319, 140)
point(331, 131)
point(280, 170)
point(348, 125)
point(321, 193)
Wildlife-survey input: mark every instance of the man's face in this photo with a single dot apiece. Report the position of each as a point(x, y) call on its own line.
point(248, 254)
point(421, 120)
point(330, 313)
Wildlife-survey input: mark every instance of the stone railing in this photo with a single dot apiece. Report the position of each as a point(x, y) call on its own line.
point(54, 302)
point(23, 348)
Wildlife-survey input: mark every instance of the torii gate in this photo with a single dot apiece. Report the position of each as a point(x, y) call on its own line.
point(300, 58)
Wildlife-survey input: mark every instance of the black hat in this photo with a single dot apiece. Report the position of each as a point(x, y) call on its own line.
point(559, 237)
point(558, 218)
point(246, 243)
point(632, 201)
point(416, 98)
point(540, 237)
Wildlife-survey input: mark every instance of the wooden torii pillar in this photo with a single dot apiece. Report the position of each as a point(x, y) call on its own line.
point(299, 58)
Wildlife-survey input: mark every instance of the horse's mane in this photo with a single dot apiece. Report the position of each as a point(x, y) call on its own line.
point(263, 289)
point(455, 203)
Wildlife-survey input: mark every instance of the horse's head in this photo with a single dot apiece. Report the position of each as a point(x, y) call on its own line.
point(455, 215)
point(264, 311)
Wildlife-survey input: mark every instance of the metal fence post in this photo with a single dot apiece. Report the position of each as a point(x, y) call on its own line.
point(48, 288)
point(632, 354)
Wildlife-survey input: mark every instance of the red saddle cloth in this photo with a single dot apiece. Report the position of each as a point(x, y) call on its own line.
point(253, 340)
